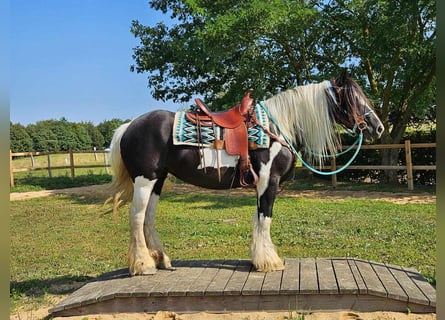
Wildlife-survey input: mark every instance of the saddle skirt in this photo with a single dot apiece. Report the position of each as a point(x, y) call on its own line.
point(186, 132)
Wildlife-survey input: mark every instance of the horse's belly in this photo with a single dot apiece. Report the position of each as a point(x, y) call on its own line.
point(214, 169)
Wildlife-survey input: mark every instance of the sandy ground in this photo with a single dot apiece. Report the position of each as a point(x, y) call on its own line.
point(102, 191)
point(260, 315)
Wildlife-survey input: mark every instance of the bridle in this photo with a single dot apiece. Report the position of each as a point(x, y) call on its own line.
point(359, 119)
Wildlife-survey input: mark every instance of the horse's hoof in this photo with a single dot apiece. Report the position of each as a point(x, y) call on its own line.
point(149, 272)
point(146, 272)
point(170, 268)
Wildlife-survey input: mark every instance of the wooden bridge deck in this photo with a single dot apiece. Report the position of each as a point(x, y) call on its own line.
point(307, 284)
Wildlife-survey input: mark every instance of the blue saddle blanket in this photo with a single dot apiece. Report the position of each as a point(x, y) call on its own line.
point(185, 132)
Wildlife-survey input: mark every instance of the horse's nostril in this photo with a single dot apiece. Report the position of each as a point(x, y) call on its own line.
point(380, 130)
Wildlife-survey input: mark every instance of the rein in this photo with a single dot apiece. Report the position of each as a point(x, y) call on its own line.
point(359, 141)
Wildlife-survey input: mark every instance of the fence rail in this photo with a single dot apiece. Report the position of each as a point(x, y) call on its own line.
point(409, 167)
point(408, 146)
point(49, 167)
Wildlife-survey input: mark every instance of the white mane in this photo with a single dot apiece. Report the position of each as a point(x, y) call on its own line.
point(302, 114)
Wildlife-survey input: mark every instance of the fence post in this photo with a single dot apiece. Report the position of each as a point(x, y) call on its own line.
point(11, 170)
point(409, 165)
point(333, 168)
point(106, 161)
point(48, 157)
point(72, 163)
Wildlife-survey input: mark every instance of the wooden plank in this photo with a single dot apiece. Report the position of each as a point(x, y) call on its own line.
point(426, 288)
point(218, 283)
point(272, 283)
point(254, 283)
point(127, 287)
point(308, 276)
point(414, 293)
point(424, 145)
point(409, 165)
point(327, 282)
point(357, 277)
point(236, 283)
point(191, 273)
point(370, 278)
point(205, 278)
point(427, 167)
point(374, 167)
point(93, 294)
point(290, 282)
point(164, 288)
point(392, 287)
point(345, 278)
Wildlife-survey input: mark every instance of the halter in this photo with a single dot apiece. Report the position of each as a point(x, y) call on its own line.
point(358, 125)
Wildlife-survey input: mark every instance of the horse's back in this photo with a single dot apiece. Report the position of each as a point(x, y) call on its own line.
point(156, 124)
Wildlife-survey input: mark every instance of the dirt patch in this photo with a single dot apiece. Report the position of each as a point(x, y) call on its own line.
point(103, 191)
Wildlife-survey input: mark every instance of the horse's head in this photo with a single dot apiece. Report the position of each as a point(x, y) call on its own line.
point(352, 109)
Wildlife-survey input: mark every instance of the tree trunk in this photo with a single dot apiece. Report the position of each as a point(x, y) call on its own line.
point(390, 157)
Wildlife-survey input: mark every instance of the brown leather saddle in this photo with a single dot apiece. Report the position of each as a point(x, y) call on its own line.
point(235, 122)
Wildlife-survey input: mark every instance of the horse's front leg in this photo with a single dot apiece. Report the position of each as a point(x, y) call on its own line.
point(140, 261)
point(151, 234)
point(263, 252)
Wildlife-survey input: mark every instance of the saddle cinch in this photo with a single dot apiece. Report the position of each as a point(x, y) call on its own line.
point(235, 122)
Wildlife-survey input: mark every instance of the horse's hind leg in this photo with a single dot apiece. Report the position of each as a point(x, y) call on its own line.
point(152, 240)
point(140, 261)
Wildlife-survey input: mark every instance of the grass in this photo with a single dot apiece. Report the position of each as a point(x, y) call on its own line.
point(61, 241)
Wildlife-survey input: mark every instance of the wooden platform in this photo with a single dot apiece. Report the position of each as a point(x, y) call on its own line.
point(321, 284)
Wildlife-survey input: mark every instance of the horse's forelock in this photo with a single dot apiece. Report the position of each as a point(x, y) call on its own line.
point(350, 90)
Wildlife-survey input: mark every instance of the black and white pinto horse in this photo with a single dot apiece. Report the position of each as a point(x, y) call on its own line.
point(143, 153)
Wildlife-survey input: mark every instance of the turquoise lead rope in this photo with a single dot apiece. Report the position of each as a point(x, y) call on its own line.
point(359, 141)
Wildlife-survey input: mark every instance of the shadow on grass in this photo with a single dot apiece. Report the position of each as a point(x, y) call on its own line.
point(212, 201)
point(30, 183)
point(39, 287)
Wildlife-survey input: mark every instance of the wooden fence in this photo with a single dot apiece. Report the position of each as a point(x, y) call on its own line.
point(409, 166)
point(408, 146)
point(49, 167)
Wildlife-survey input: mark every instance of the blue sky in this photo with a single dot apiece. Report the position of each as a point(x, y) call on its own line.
point(71, 58)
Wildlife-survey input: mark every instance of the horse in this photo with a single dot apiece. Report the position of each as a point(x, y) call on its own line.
point(308, 117)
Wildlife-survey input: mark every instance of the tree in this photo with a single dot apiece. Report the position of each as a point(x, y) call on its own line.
point(20, 141)
point(393, 46)
point(219, 49)
point(97, 139)
point(107, 128)
point(42, 136)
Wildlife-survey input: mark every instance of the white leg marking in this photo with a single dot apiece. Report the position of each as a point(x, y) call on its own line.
point(139, 259)
point(263, 253)
point(152, 240)
point(264, 173)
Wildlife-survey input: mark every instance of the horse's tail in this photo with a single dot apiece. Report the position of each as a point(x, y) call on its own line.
point(121, 185)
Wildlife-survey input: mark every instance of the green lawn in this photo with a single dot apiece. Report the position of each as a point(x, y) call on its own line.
point(60, 240)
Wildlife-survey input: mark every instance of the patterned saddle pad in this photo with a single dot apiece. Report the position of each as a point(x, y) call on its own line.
point(186, 132)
